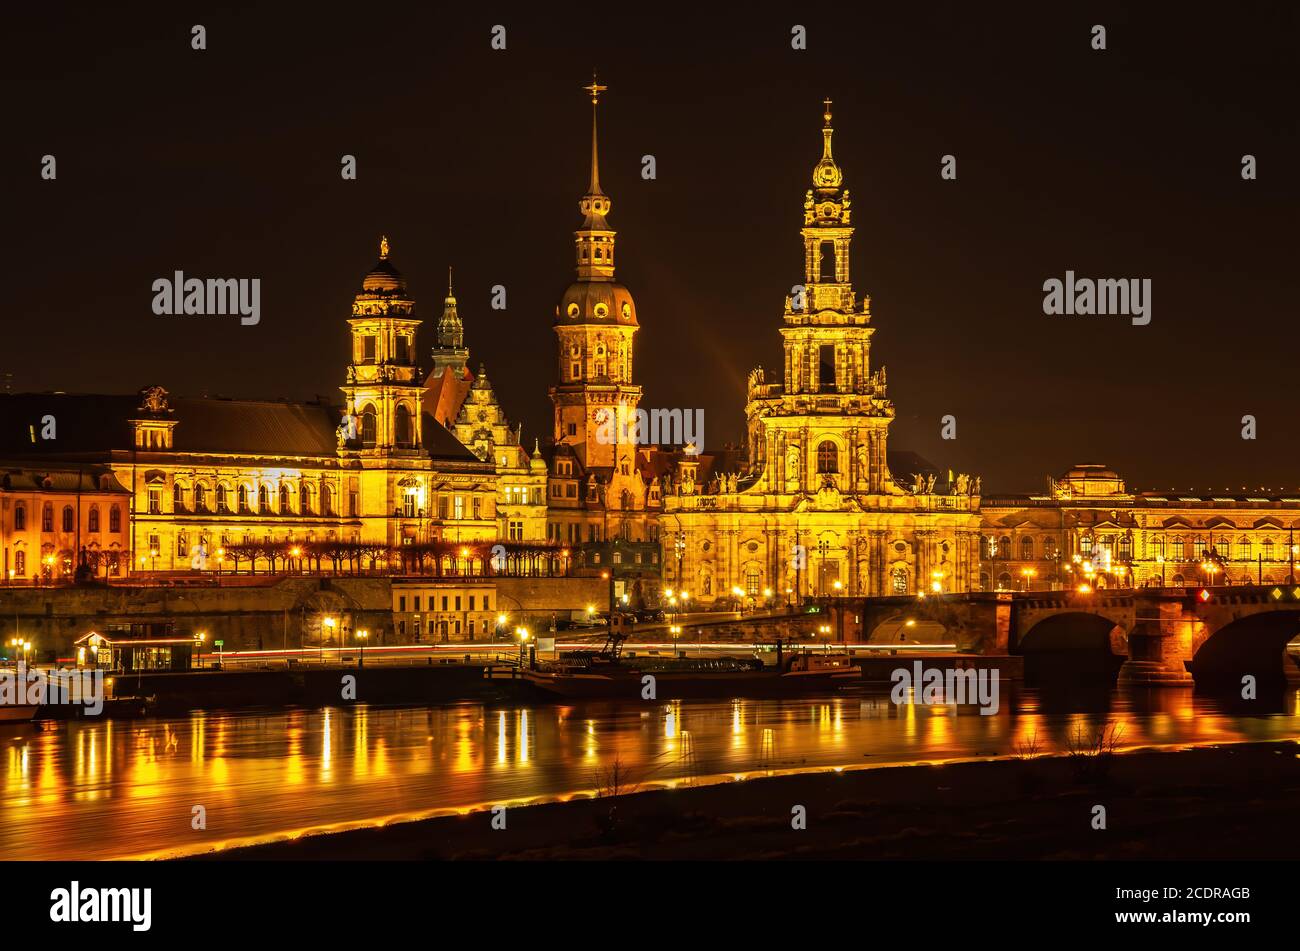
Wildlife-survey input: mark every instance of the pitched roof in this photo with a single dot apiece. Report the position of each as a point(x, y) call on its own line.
point(97, 424)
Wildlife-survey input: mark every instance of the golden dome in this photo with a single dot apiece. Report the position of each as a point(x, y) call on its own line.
point(597, 302)
point(384, 278)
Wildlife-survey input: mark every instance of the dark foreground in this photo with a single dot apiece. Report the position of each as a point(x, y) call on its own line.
point(1223, 802)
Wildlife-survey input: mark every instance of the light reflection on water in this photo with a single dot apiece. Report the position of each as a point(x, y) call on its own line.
point(111, 789)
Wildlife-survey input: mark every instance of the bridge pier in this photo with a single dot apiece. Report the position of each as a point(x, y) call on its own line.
point(1156, 655)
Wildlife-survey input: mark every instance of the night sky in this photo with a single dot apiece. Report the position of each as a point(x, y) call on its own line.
point(1123, 163)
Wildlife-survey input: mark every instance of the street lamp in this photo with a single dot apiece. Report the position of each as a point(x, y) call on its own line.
point(936, 581)
point(676, 632)
point(1160, 560)
point(331, 624)
point(522, 633)
point(1029, 574)
point(199, 638)
point(679, 549)
point(361, 637)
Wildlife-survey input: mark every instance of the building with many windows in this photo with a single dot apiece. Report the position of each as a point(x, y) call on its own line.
point(1088, 528)
point(816, 508)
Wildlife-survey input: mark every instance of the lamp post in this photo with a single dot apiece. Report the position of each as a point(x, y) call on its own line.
point(1027, 574)
point(199, 638)
point(1160, 560)
point(679, 549)
point(522, 634)
point(330, 623)
point(823, 549)
point(361, 639)
point(677, 633)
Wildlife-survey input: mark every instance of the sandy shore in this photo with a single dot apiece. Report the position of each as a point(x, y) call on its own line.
point(1219, 802)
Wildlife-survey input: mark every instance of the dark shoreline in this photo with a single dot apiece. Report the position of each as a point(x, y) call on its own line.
point(1233, 801)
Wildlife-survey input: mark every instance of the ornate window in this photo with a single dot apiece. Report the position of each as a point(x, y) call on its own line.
point(200, 497)
point(69, 519)
point(404, 435)
point(1026, 548)
point(828, 457)
point(178, 497)
point(286, 499)
point(368, 427)
point(115, 520)
point(20, 518)
point(263, 498)
point(92, 519)
point(898, 581)
point(47, 517)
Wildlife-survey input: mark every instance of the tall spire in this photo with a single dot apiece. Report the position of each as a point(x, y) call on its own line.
point(827, 174)
point(595, 89)
point(595, 240)
point(450, 350)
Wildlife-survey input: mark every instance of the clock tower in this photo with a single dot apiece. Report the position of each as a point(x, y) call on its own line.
point(595, 399)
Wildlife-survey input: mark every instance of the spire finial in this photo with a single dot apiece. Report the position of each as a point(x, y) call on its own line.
point(595, 89)
point(449, 293)
point(827, 114)
point(383, 247)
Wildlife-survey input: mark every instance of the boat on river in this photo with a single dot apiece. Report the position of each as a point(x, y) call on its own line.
point(606, 675)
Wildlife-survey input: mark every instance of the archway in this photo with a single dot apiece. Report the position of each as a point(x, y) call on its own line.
point(1254, 646)
point(1072, 650)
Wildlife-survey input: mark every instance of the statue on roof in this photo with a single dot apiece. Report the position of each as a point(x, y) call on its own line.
point(153, 399)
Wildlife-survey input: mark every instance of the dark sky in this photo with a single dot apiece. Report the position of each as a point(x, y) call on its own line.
point(1122, 163)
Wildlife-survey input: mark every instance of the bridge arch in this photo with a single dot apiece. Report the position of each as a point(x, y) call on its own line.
point(1077, 647)
point(1255, 644)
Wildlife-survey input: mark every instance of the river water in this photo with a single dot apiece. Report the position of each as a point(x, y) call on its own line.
point(128, 788)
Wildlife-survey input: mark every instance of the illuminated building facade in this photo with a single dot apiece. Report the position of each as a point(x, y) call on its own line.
point(815, 509)
point(1089, 529)
point(600, 484)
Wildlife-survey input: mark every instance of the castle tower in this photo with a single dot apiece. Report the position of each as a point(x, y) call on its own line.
point(594, 325)
point(450, 351)
point(383, 390)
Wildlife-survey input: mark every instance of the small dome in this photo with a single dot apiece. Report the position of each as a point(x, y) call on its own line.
point(597, 302)
point(384, 279)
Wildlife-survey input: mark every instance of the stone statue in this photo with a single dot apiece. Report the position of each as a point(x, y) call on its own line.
point(976, 489)
point(864, 462)
point(153, 399)
point(918, 483)
point(792, 469)
point(962, 485)
point(929, 484)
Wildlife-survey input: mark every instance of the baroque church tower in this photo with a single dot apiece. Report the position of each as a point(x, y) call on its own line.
point(595, 323)
point(383, 388)
point(817, 511)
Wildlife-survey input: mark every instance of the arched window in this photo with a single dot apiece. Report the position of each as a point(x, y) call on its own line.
point(368, 426)
point(92, 520)
point(263, 498)
point(1243, 548)
point(200, 498)
point(327, 501)
point(47, 517)
point(69, 519)
point(20, 518)
point(828, 457)
point(223, 498)
point(115, 520)
point(178, 497)
point(986, 545)
point(1004, 582)
point(1085, 545)
point(1125, 547)
point(286, 505)
point(20, 562)
point(898, 580)
point(1004, 548)
point(1049, 547)
point(404, 435)
point(242, 493)
point(1176, 548)
point(826, 263)
point(305, 499)
point(1268, 549)
point(1026, 548)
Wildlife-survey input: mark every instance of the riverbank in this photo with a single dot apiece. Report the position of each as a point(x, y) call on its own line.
point(1202, 803)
